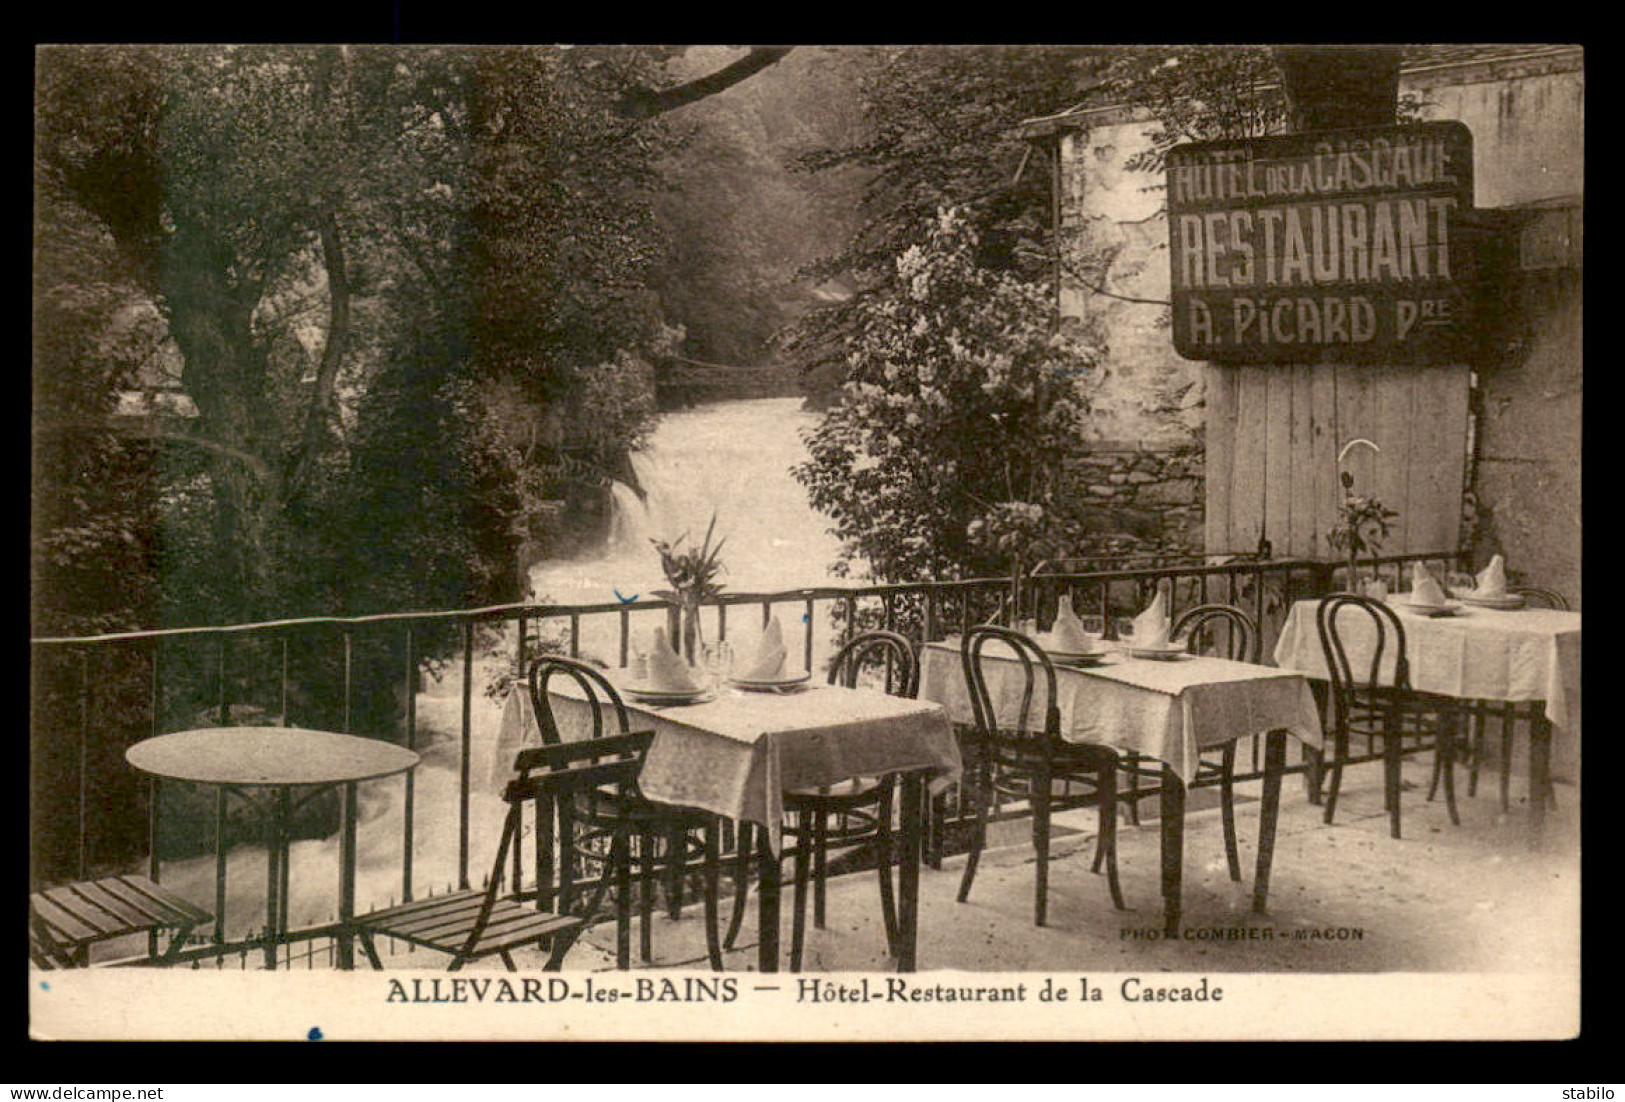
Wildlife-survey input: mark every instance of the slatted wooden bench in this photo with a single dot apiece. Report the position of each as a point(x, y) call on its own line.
point(64, 922)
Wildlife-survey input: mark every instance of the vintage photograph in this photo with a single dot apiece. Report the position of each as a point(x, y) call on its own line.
point(805, 541)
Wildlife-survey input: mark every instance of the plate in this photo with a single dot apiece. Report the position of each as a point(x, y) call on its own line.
point(647, 694)
point(1434, 611)
point(771, 685)
point(1511, 600)
point(1162, 654)
point(1077, 657)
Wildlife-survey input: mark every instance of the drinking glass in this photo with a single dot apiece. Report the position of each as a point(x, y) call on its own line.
point(719, 659)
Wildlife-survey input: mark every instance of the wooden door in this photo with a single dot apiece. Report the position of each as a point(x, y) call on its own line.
point(1273, 434)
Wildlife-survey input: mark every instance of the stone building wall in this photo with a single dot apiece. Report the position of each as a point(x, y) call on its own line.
point(1137, 499)
point(1525, 107)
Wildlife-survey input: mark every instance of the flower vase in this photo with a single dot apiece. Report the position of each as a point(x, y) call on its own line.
point(683, 626)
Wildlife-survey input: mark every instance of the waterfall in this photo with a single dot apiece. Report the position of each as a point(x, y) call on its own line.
point(729, 458)
point(628, 518)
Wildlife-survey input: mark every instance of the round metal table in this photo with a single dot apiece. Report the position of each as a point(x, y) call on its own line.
point(280, 759)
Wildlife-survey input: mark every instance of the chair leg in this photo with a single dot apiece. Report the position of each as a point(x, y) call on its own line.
point(1100, 827)
point(1108, 830)
point(1508, 725)
point(1444, 757)
point(1438, 767)
point(1339, 752)
point(647, 865)
point(820, 855)
point(798, 929)
point(1476, 750)
point(883, 863)
point(936, 826)
point(1392, 760)
point(621, 858)
point(1133, 761)
point(741, 882)
point(713, 869)
point(507, 959)
point(676, 868)
point(1227, 803)
point(1041, 802)
point(365, 937)
point(978, 837)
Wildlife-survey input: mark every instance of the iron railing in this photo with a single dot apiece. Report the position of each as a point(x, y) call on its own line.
point(93, 696)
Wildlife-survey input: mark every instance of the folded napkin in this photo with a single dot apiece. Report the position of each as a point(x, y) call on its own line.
point(768, 663)
point(1029, 628)
point(1424, 589)
point(667, 670)
point(1151, 626)
point(1067, 633)
point(1492, 580)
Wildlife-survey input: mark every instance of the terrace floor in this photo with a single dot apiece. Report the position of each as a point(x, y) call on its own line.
point(1344, 898)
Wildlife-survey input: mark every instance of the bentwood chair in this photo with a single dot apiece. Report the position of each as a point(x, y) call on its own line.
point(1405, 721)
point(65, 921)
point(1011, 758)
point(861, 807)
point(668, 838)
point(1508, 713)
point(1230, 633)
point(474, 923)
point(853, 815)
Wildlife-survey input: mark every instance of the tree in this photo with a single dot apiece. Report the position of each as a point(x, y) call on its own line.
point(332, 240)
point(941, 130)
point(958, 410)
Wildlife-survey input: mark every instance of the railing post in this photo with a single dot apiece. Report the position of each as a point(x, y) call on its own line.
point(463, 760)
point(411, 744)
point(349, 673)
point(807, 619)
point(225, 706)
point(84, 763)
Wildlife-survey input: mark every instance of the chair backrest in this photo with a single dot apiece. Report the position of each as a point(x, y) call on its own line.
point(1388, 632)
point(1535, 595)
point(599, 692)
point(1200, 622)
point(1033, 661)
point(902, 672)
point(549, 778)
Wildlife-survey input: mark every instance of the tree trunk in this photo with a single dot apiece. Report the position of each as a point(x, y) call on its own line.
point(1335, 87)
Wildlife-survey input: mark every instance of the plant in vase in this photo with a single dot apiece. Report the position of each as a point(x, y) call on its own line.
point(1362, 521)
point(692, 576)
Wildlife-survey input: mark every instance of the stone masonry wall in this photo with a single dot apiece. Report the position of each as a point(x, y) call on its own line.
point(1136, 499)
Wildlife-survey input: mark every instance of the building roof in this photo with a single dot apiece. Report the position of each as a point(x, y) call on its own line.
point(1451, 63)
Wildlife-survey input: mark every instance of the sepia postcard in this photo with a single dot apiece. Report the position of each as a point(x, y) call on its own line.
point(806, 542)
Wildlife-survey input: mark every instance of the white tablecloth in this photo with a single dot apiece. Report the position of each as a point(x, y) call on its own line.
point(1164, 710)
point(1478, 654)
point(736, 755)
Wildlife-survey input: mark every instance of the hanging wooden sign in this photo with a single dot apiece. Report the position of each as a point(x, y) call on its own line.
point(1336, 246)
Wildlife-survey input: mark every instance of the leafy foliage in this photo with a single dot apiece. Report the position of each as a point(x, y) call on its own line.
point(1362, 522)
point(957, 414)
point(940, 129)
point(691, 574)
point(352, 260)
point(1196, 94)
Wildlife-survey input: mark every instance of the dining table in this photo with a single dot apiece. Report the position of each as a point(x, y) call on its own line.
point(735, 753)
point(1477, 654)
point(1168, 709)
point(278, 760)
